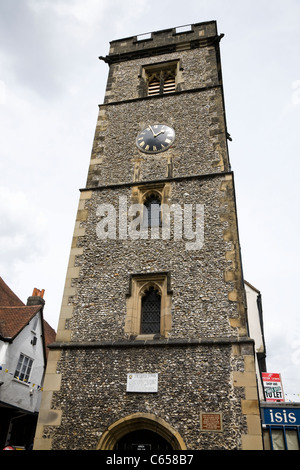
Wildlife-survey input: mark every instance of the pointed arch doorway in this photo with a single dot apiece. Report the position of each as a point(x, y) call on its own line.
point(141, 431)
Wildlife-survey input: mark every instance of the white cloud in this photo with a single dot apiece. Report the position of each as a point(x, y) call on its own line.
point(23, 226)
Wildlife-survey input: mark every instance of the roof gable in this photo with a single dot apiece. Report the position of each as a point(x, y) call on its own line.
point(15, 315)
point(14, 319)
point(49, 335)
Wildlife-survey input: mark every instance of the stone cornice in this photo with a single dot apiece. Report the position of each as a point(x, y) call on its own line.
point(136, 343)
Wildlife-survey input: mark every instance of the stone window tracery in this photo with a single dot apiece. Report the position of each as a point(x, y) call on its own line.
point(148, 309)
point(161, 79)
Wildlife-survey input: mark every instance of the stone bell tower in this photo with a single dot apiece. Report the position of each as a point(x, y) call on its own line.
point(152, 350)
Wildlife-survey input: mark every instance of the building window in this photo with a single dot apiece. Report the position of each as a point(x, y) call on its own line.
point(150, 314)
point(282, 438)
point(153, 86)
point(161, 82)
point(148, 307)
point(34, 323)
point(161, 79)
point(152, 214)
point(152, 199)
point(23, 368)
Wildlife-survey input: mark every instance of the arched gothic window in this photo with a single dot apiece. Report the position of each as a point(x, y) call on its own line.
point(150, 318)
point(148, 305)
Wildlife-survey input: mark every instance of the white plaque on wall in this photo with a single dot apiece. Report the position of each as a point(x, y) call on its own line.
point(143, 383)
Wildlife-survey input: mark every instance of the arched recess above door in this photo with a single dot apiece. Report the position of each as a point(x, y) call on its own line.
point(138, 421)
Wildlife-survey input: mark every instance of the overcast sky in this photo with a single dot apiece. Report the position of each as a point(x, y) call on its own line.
point(51, 83)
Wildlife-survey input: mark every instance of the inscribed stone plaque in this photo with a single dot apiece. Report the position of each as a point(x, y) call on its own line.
point(142, 383)
point(211, 421)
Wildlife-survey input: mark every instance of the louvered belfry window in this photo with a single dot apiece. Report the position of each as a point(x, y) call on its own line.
point(150, 322)
point(154, 87)
point(169, 83)
point(162, 82)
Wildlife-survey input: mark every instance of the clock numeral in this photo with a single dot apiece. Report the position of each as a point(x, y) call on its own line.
point(168, 141)
point(141, 144)
point(154, 148)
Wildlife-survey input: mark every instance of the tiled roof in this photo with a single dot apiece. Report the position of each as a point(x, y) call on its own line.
point(15, 315)
point(50, 335)
point(13, 319)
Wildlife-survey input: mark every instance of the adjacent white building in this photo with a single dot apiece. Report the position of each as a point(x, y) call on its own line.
point(256, 331)
point(24, 335)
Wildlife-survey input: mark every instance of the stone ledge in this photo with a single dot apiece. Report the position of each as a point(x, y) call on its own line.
point(174, 179)
point(149, 343)
point(160, 97)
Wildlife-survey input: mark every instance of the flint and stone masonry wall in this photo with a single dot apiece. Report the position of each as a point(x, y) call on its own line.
point(197, 277)
point(190, 379)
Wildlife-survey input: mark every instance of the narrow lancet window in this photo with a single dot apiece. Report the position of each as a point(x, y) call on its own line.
point(152, 214)
point(151, 304)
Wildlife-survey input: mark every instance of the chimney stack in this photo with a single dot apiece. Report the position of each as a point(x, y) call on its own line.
point(37, 297)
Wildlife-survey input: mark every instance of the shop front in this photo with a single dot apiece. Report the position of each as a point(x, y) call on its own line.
point(281, 426)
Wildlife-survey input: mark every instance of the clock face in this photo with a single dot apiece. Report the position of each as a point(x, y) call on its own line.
point(155, 138)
